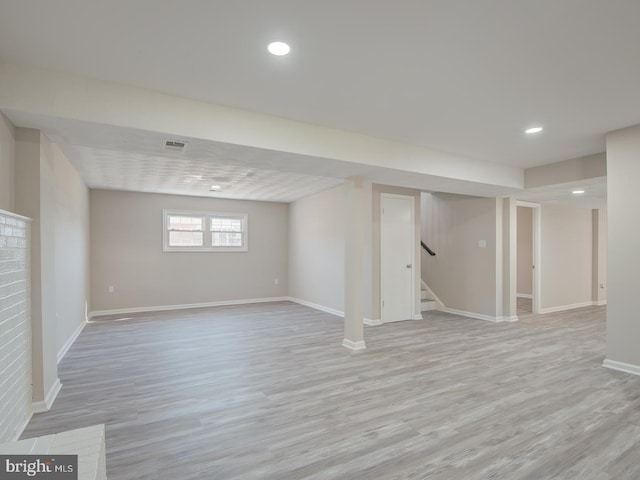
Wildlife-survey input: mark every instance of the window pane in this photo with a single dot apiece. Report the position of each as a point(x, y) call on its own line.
point(226, 224)
point(226, 239)
point(186, 239)
point(185, 224)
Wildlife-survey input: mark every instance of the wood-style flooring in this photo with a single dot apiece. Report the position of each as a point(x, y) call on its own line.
point(266, 391)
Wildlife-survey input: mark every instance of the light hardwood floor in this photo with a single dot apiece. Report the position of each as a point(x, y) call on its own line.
point(267, 392)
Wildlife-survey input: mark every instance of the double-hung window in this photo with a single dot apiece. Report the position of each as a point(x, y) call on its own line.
point(187, 231)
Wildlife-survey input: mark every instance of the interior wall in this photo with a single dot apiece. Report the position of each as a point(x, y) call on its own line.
point(623, 171)
point(126, 253)
point(316, 248)
point(34, 199)
point(566, 249)
point(69, 212)
point(525, 251)
point(462, 231)
point(7, 164)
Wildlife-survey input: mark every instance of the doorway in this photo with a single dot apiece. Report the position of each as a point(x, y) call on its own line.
point(397, 257)
point(528, 258)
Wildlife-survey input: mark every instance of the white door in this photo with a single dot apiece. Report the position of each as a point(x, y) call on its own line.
point(397, 251)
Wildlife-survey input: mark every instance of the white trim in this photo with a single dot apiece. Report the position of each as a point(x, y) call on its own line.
point(478, 316)
point(67, 345)
point(522, 203)
point(621, 366)
point(513, 318)
point(160, 308)
point(600, 303)
point(45, 405)
point(418, 316)
point(562, 308)
point(524, 295)
point(414, 317)
point(372, 323)
point(322, 308)
point(350, 344)
point(22, 428)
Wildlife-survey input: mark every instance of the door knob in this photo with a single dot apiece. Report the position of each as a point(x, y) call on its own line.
point(408, 265)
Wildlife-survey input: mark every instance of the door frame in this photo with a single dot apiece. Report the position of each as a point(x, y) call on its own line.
point(536, 285)
point(414, 315)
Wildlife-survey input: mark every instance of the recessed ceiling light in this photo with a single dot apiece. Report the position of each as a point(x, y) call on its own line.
point(215, 187)
point(533, 130)
point(278, 48)
point(577, 192)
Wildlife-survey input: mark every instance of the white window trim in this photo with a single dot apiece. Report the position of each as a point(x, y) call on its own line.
point(244, 217)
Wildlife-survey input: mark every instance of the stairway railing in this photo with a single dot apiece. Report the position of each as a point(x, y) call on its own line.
point(426, 247)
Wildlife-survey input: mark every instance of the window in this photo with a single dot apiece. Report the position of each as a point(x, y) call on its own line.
point(204, 232)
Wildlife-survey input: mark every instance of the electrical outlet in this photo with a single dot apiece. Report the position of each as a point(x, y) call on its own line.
point(111, 289)
point(276, 281)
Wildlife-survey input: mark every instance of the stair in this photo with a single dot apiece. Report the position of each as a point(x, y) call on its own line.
point(426, 303)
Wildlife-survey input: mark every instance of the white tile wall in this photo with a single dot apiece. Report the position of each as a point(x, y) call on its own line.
point(15, 326)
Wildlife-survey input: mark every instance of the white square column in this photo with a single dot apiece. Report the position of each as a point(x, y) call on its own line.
point(354, 250)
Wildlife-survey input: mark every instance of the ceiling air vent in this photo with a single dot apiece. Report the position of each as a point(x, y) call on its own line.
point(174, 145)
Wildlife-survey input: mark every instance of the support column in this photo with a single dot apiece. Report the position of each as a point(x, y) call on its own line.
point(35, 198)
point(623, 322)
point(355, 214)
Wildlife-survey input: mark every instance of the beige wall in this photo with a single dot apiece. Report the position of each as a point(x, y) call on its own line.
point(33, 199)
point(623, 171)
point(69, 210)
point(316, 248)
point(582, 168)
point(525, 250)
point(462, 274)
point(126, 252)
point(566, 249)
point(50, 191)
point(7, 164)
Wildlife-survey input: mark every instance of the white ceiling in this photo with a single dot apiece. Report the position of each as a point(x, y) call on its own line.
point(460, 76)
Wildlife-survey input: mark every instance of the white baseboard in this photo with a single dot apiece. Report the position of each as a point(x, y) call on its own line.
point(121, 311)
point(479, 316)
point(600, 303)
point(513, 318)
point(350, 344)
point(524, 295)
point(417, 316)
point(562, 308)
point(372, 323)
point(322, 308)
point(46, 404)
point(621, 366)
point(22, 428)
point(67, 345)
